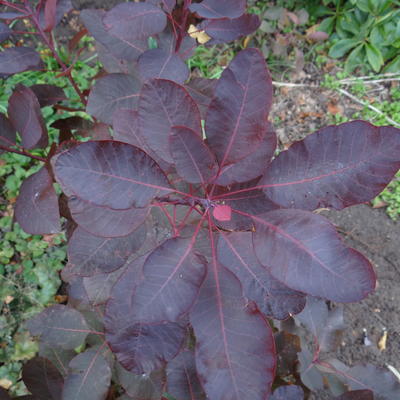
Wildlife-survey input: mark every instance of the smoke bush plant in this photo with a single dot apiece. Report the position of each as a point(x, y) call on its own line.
point(191, 248)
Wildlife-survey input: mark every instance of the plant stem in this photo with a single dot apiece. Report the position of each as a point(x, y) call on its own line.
point(22, 153)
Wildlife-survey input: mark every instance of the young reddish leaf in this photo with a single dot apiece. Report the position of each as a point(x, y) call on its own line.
point(235, 352)
point(193, 160)
point(140, 348)
point(19, 59)
point(336, 167)
point(59, 326)
point(26, 117)
point(110, 174)
point(104, 221)
point(202, 92)
point(134, 20)
point(89, 377)
point(289, 392)
point(89, 255)
point(172, 276)
point(159, 63)
point(315, 259)
point(48, 95)
point(128, 49)
point(110, 93)
point(253, 165)
point(275, 300)
point(162, 105)
point(7, 132)
point(50, 15)
point(222, 212)
point(219, 8)
point(236, 118)
point(42, 379)
point(36, 209)
point(228, 30)
point(356, 395)
point(5, 32)
point(59, 357)
point(182, 379)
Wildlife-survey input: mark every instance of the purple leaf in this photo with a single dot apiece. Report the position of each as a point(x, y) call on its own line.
point(128, 49)
point(4, 394)
point(5, 32)
point(219, 8)
point(7, 132)
point(89, 255)
point(50, 15)
point(289, 392)
point(275, 300)
point(182, 380)
point(172, 276)
point(11, 15)
point(162, 105)
point(89, 377)
point(104, 221)
point(59, 357)
point(253, 165)
point(236, 118)
point(140, 348)
point(19, 59)
point(304, 252)
point(158, 63)
point(134, 20)
point(228, 30)
point(121, 176)
point(42, 379)
point(110, 93)
point(356, 395)
point(336, 167)
point(56, 13)
point(235, 352)
point(193, 160)
point(202, 92)
point(37, 209)
point(48, 95)
point(25, 115)
point(59, 326)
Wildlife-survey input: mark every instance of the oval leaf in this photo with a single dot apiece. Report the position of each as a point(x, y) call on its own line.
point(19, 59)
point(235, 352)
point(202, 91)
point(7, 132)
point(5, 32)
point(48, 95)
point(36, 209)
point(337, 167)
point(315, 259)
point(219, 8)
point(121, 176)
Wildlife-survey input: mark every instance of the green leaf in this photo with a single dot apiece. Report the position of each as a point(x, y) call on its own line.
point(340, 48)
point(393, 66)
point(354, 59)
point(374, 57)
point(327, 25)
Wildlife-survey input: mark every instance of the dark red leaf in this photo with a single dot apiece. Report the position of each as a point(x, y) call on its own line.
point(63, 7)
point(19, 59)
point(128, 49)
point(104, 221)
point(42, 379)
point(7, 132)
point(336, 167)
point(59, 357)
point(90, 255)
point(59, 326)
point(235, 352)
point(193, 160)
point(289, 392)
point(162, 105)
point(110, 93)
point(228, 30)
point(48, 95)
point(89, 377)
point(219, 8)
point(236, 118)
point(182, 380)
point(134, 20)
point(37, 209)
point(356, 395)
point(5, 32)
point(140, 348)
point(275, 300)
point(50, 15)
point(4, 394)
point(121, 176)
point(25, 115)
point(159, 63)
point(304, 252)
point(253, 165)
point(202, 91)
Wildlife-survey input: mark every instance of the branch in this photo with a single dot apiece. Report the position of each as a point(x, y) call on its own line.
point(22, 153)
